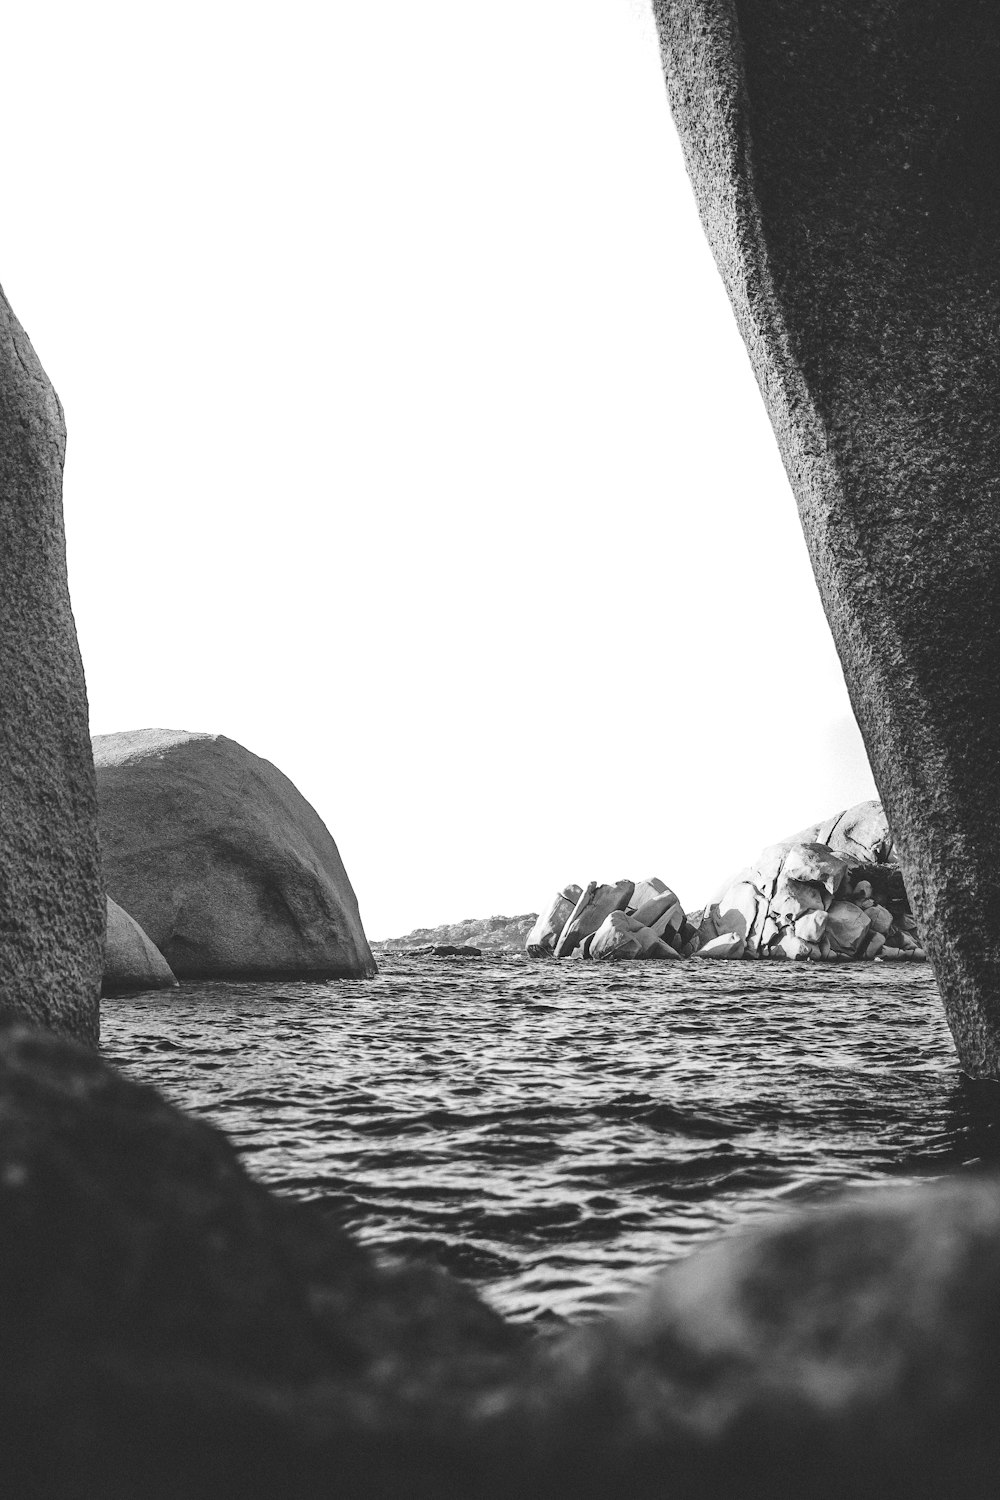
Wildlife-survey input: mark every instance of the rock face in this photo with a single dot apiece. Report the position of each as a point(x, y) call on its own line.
point(131, 961)
point(51, 896)
point(843, 157)
point(861, 833)
point(222, 862)
point(170, 1328)
point(593, 905)
point(544, 935)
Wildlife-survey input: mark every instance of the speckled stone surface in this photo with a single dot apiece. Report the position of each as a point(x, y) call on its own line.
point(844, 161)
point(51, 897)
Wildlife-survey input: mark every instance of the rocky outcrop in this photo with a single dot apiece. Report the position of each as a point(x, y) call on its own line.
point(543, 937)
point(842, 156)
point(222, 862)
point(492, 935)
point(51, 897)
point(860, 833)
point(627, 920)
point(131, 961)
point(170, 1328)
point(593, 905)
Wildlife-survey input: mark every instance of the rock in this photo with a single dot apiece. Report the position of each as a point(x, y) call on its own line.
point(726, 945)
point(494, 935)
point(131, 961)
point(738, 909)
point(544, 935)
point(860, 833)
point(648, 890)
point(847, 928)
point(842, 242)
point(669, 923)
point(880, 919)
point(615, 938)
point(790, 945)
point(224, 864)
point(652, 946)
point(52, 909)
point(665, 907)
point(875, 944)
point(440, 950)
point(811, 927)
point(593, 906)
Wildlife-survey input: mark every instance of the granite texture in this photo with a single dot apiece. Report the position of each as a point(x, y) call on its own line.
point(51, 898)
point(843, 159)
point(222, 862)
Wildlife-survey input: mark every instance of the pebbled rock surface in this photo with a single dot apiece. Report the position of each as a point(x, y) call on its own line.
point(131, 961)
point(222, 861)
point(171, 1329)
point(843, 158)
point(51, 894)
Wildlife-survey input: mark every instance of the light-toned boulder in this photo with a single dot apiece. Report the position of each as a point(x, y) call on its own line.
point(615, 938)
point(651, 911)
point(222, 861)
point(726, 945)
point(811, 927)
point(738, 908)
point(652, 946)
point(880, 918)
point(860, 832)
point(669, 923)
point(793, 898)
point(131, 961)
point(792, 947)
point(595, 904)
point(647, 890)
point(847, 928)
point(542, 938)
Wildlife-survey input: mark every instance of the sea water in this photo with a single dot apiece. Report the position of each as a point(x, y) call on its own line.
point(556, 1132)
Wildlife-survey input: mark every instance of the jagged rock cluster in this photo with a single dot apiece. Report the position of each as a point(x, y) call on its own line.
point(799, 900)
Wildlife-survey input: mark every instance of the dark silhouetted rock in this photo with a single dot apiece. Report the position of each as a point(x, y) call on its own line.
point(222, 862)
point(172, 1330)
point(51, 895)
point(131, 961)
point(843, 156)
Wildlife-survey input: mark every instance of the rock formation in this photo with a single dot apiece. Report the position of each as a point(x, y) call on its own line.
point(170, 1328)
point(594, 904)
point(222, 862)
point(545, 934)
point(131, 961)
point(860, 833)
point(492, 935)
point(842, 156)
point(51, 898)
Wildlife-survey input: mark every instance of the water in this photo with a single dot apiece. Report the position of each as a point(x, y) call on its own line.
point(556, 1132)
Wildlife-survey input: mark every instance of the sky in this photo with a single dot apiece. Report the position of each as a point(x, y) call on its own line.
point(411, 440)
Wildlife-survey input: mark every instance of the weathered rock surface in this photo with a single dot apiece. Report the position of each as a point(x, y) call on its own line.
point(171, 1329)
point(860, 833)
point(222, 861)
point(594, 904)
point(843, 159)
point(131, 961)
point(51, 894)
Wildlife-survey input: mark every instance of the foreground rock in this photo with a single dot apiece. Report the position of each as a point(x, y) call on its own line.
point(51, 895)
point(131, 961)
point(843, 159)
point(171, 1329)
point(222, 862)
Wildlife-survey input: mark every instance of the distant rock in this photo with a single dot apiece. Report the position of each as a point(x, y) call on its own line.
point(131, 961)
point(860, 833)
point(222, 861)
point(491, 935)
point(595, 904)
point(542, 939)
point(439, 950)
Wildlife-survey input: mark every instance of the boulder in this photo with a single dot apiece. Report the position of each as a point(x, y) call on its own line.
point(664, 906)
point(615, 938)
point(726, 945)
point(542, 939)
point(847, 928)
point(172, 1329)
point(52, 910)
point(860, 833)
point(652, 946)
point(131, 961)
point(648, 890)
point(738, 908)
point(222, 862)
point(843, 159)
point(594, 904)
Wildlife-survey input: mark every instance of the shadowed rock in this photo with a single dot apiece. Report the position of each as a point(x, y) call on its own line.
point(171, 1329)
point(222, 861)
point(843, 158)
point(51, 896)
point(131, 961)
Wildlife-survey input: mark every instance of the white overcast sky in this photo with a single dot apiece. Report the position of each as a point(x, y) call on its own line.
point(411, 441)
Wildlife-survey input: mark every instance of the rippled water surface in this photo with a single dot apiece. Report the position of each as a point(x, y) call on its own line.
point(556, 1132)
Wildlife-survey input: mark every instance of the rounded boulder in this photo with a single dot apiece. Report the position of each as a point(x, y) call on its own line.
point(222, 862)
